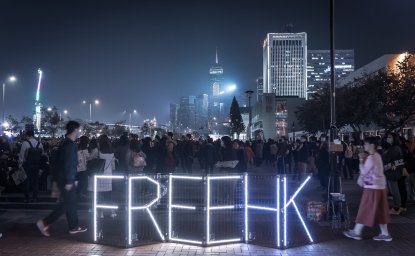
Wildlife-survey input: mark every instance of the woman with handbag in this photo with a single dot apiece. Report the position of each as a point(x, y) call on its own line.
point(373, 208)
point(104, 186)
point(136, 157)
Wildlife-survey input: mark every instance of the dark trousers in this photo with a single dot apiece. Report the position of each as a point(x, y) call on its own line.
point(32, 181)
point(209, 168)
point(67, 205)
point(82, 178)
point(402, 191)
point(188, 163)
point(349, 168)
point(281, 165)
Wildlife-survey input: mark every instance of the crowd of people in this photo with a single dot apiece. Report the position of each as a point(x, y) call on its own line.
point(166, 154)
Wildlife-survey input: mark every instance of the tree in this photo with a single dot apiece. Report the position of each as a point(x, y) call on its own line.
point(394, 107)
point(119, 129)
point(354, 105)
point(12, 124)
point(237, 125)
point(314, 114)
point(384, 98)
point(26, 120)
point(50, 121)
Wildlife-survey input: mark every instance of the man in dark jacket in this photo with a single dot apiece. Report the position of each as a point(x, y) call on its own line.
point(66, 169)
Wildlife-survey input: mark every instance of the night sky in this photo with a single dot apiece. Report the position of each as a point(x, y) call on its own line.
point(146, 54)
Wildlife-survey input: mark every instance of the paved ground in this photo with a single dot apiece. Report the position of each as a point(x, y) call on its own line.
point(20, 237)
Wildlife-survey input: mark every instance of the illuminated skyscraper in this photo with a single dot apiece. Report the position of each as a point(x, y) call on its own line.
point(201, 113)
point(174, 108)
point(186, 114)
point(285, 64)
point(318, 67)
point(216, 77)
point(216, 105)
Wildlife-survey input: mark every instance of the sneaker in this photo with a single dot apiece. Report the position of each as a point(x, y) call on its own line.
point(43, 228)
point(386, 238)
point(394, 212)
point(77, 230)
point(351, 234)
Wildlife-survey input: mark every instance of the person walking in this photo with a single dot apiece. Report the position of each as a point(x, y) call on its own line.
point(66, 170)
point(82, 176)
point(394, 163)
point(30, 158)
point(373, 207)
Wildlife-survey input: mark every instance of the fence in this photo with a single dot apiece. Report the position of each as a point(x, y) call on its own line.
point(200, 210)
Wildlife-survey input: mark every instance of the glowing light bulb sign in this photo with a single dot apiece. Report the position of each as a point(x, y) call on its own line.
point(172, 206)
point(210, 208)
point(146, 207)
point(281, 209)
point(102, 206)
point(207, 183)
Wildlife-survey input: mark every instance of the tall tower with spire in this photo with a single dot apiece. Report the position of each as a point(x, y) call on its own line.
point(216, 105)
point(216, 76)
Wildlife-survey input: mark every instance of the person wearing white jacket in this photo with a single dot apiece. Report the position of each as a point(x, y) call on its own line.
point(104, 186)
point(373, 208)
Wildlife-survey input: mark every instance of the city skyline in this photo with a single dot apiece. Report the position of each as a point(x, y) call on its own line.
point(146, 55)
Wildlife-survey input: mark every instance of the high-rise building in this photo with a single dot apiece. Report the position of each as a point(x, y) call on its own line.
point(201, 113)
point(216, 80)
point(174, 117)
point(186, 113)
point(285, 64)
point(318, 67)
point(216, 77)
point(259, 87)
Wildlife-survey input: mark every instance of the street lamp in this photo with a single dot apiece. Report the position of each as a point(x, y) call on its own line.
point(11, 79)
point(96, 102)
point(130, 117)
point(65, 112)
point(248, 130)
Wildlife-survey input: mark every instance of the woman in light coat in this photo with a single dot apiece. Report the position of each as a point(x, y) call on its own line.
point(373, 209)
point(104, 186)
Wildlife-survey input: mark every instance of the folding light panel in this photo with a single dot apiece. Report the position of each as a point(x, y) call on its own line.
point(101, 206)
point(141, 207)
point(218, 207)
point(186, 207)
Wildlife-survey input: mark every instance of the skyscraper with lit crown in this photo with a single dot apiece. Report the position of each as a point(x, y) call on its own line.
point(216, 84)
point(216, 77)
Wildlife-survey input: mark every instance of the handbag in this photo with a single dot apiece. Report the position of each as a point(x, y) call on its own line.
point(95, 166)
point(138, 160)
point(19, 176)
point(227, 164)
point(360, 181)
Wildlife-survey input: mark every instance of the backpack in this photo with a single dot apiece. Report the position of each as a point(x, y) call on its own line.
point(138, 160)
point(34, 155)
